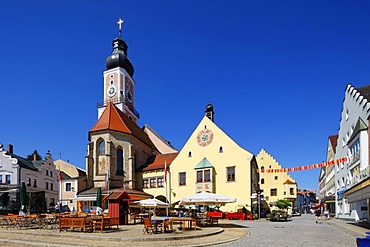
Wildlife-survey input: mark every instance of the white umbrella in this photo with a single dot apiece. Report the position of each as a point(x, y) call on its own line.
point(206, 198)
point(151, 203)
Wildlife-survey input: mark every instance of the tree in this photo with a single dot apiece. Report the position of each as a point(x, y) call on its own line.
point(283, 204)
point(30, 157)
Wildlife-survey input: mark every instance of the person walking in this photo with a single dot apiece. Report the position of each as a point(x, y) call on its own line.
point(326, 214)
point(318, 214)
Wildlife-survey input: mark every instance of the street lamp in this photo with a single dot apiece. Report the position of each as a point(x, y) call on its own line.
point(259, 192)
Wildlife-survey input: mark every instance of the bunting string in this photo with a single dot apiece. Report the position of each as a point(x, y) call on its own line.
point(303, 168)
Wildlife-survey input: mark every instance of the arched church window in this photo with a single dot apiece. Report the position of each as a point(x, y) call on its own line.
point(221, 150)
point(119, 161)
point(101, 147)
point(262, 181)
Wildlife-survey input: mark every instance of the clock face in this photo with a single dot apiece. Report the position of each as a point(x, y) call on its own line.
point(111, 90)
point(129, 96)
point(205, 137)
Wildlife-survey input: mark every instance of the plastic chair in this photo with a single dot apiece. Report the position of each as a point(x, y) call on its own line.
point(363, 242)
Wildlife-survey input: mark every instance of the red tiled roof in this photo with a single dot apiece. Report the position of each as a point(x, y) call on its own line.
point(365, 91)
point(114, 119)
point(157, 162)
point(288, 181)
point(334, 140)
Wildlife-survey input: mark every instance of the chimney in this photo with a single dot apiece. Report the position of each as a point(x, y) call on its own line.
point(10, 148)
point(34, 157)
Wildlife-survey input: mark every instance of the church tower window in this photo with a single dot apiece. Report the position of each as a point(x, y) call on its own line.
point(120, 161)
point(101, 147)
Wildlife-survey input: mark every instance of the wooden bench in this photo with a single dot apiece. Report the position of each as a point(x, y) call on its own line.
point(73, 222)
point(100, 223)
point(214, 216)
point(235, 215)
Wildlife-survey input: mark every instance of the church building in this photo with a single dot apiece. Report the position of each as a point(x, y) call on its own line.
point(118, 147)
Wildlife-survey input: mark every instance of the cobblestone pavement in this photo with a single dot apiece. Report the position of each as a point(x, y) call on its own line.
point(298, 231)
point(126, 236)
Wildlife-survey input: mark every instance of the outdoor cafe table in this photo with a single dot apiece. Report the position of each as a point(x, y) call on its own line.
point(159, 223)
point(191, 222)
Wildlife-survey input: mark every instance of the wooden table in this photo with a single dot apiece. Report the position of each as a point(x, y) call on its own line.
point(191, 222)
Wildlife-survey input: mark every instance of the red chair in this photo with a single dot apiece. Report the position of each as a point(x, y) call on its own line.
point(148, 227)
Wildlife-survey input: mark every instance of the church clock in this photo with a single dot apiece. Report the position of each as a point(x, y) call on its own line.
point(205, 137)
point(111, 90)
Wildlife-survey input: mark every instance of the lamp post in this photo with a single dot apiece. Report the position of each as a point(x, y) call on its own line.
point(259, 192)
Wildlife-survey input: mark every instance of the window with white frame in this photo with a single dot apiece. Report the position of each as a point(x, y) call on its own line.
point(146, 183)
point(160, 182)
point(204, 175)
point(153, 182)
point(354, 151)
point(7, 179)
point(68, 187)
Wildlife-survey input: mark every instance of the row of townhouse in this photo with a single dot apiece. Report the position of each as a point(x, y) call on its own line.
point(345, 187)
point(40, 177)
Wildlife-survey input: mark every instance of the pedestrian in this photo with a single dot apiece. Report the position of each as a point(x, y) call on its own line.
point(318, 214)
point(326, 214)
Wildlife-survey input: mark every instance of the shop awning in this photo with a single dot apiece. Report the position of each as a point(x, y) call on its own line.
point(86, 198)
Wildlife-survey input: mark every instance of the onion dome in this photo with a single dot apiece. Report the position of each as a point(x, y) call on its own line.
point(209, 107)
point(119, 58)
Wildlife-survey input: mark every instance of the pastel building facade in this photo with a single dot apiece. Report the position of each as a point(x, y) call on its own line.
point(275, 186)
point(211, 161)
point(352, 176)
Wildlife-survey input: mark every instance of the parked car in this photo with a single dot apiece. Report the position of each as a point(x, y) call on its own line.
point(277, 216)
point(296, 213)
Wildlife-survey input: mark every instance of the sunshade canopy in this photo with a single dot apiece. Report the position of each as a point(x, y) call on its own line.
point(152, 203)
point(206, 198)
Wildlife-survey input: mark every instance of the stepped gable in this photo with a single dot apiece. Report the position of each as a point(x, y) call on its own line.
point(156, 162)
point(24, 163)
point(114, 119)
point(277, 163)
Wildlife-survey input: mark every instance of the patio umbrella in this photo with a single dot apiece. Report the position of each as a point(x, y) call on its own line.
point(98, 198)
point(23, 198)
point(206, 198)
point(98, 202)
point(151, 203)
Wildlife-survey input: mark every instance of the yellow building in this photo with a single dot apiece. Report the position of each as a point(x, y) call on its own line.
point(211, 161)
point(275, 185)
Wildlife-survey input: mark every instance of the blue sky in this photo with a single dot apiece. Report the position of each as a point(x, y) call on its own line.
point(275, 71)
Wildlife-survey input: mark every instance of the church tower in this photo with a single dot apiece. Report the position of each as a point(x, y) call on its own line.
point(119, 84)
point(117, 145)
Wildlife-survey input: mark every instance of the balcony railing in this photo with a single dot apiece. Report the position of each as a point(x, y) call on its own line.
point(119, 100)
